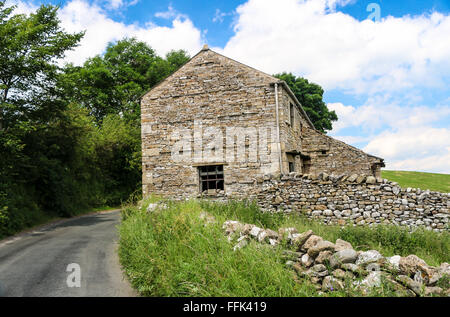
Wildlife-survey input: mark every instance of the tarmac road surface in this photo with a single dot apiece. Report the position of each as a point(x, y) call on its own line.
point(74, 257)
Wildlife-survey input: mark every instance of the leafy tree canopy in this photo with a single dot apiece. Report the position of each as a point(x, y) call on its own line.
point(30, 47)
point(37, 144)
point(69, 136)
point(310, 96)
point(114, 82)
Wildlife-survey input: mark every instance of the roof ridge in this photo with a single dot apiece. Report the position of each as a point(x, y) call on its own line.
point(236, 61)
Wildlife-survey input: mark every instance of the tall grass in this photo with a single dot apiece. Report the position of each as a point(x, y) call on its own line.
point(390, 240)
point(172, 252)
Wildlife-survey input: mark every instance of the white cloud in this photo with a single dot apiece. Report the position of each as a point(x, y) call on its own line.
point(337, 51)
point(79, 15)
point(420, 141)
point(310, 38)
point(421, 148)
point(380, 112)
point(171, 13)
point(115, 4)
point(23, 7)
point(406, 137)
point(351, 139)
point(434, 163)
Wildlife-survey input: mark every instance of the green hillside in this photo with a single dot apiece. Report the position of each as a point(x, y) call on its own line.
point(431, 181)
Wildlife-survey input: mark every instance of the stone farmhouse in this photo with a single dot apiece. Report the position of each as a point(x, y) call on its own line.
point(219, 126)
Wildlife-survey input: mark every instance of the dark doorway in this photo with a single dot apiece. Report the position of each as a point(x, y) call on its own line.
point(376, 170)
point(306, 164)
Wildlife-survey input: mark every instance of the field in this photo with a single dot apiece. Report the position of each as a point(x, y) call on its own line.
point(172, 252)
point(431, 181)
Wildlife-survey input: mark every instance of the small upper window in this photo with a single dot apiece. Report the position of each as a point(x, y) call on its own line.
point(291, 167)
point(291, 162)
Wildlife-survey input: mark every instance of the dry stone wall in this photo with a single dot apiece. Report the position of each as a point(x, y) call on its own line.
point(336, 266)
point(354, 199)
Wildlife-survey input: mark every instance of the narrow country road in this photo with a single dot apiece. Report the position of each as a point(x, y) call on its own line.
point(37, 263)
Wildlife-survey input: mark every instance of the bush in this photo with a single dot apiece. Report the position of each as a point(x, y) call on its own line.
point(17, 212)
point(67, 167)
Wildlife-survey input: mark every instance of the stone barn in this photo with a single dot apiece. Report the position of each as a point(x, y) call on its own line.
point(217, 126)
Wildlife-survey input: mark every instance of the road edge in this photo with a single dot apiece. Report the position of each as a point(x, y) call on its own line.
point(49, 225)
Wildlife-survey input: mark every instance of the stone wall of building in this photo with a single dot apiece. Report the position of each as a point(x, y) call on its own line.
point(315, 152)
point(333, 156)
point(212, 94)
point(219, 93)
point(290, 132)
point(353, 199)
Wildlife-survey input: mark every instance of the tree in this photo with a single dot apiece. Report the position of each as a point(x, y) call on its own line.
point(30, 47)
point(30, 108)
point(310, 96)
point(69, 136)
point(113, 83)
point(109, 86)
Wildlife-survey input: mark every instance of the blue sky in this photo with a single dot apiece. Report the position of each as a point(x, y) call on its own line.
point(202, 12)
point(388, 80)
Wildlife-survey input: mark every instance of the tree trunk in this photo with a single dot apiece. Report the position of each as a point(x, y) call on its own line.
point(2, 102)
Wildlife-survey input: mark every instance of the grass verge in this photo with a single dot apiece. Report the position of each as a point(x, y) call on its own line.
point(172, 252)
